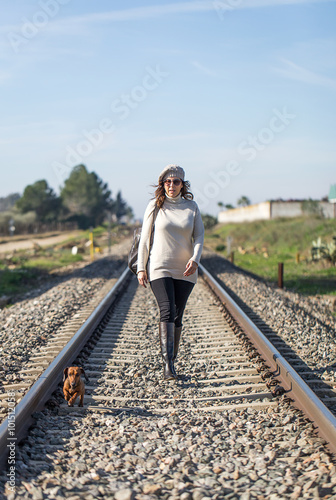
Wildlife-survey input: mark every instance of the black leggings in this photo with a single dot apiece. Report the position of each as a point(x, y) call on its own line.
point(171, 296)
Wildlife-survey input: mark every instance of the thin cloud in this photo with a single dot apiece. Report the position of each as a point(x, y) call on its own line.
point(186, 7)
point(293, 71)
point(203, 69)
point(153, 11)
point(246, 4)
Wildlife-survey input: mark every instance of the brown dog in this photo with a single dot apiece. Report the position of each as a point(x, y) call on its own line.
point(73, 384)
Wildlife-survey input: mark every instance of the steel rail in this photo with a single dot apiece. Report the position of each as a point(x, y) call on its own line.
point(304, 398)
point(44, 386)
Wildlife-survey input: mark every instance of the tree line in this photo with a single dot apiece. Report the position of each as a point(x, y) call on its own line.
point(84, 200)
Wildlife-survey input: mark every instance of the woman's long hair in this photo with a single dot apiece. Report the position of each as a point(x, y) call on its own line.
point(160, 193)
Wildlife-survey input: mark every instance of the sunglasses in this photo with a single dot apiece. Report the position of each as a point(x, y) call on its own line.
point(176, 182)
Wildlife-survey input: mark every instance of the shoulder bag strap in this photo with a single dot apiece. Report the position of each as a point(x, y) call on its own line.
point(155, 212)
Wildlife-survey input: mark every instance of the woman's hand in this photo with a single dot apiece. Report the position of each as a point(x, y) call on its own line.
point(191, 268)
point(142, 278)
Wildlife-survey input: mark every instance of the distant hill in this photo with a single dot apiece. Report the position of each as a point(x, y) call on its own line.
point(9, 201)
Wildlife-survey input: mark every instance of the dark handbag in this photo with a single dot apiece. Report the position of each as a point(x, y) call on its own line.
point(133, 254)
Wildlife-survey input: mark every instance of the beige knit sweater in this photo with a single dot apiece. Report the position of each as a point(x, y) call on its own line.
point(178, 237)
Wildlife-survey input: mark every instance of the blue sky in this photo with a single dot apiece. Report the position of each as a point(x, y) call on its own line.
point(240, 93)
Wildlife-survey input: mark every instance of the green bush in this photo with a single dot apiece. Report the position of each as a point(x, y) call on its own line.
point(209, 221)
point(220, 248)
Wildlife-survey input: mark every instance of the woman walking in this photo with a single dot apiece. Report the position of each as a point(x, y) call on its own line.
point(170, 263)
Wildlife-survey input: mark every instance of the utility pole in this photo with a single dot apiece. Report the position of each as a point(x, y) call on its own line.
point(11, 227)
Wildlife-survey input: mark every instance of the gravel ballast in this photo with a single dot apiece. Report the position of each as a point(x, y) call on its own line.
point(245, 453)
point(305, 324)
point(142, 454)
point(40, 313)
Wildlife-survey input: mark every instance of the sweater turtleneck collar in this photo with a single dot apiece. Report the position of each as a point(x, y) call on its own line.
point(175, 200)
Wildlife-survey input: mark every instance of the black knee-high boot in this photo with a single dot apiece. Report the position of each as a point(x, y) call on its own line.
point(167, 333)
point(177, 337)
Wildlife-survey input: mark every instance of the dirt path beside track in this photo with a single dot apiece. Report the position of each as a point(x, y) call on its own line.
point(22, 244)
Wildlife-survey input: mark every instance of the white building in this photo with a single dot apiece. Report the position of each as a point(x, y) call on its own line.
point(273, 210)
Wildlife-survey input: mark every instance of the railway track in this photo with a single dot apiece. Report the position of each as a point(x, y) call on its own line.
point(221, 373)
point(42, 356)
point(312, 356)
